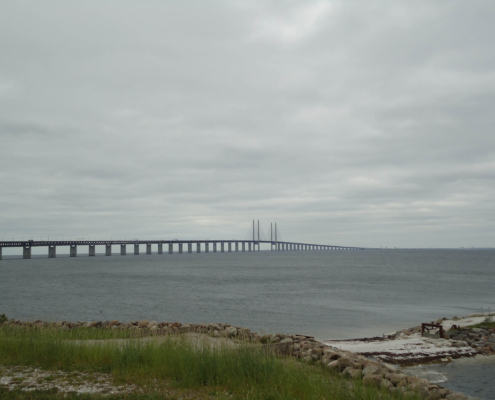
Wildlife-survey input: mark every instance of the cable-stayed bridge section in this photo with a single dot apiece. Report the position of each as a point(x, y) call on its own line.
point(174, 246)
point(171, 246)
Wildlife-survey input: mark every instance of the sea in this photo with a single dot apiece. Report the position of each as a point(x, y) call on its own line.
point(325, 294)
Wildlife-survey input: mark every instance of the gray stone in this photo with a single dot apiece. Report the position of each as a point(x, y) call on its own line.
point(287, 340)
point(396, 378)
point(231, 331)
point(143, 323)
point(386, 384)
point(307, 359)
point(333, 365)
point(456, 396)
point(371, 369)
point(352, 373)
point(434, 395)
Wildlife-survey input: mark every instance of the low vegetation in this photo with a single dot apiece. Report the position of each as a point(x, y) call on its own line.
point(157, 365)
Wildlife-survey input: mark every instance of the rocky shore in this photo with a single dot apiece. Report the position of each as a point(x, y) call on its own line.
point(369, 366)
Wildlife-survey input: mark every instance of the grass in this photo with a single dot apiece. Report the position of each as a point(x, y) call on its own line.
point(54, 394)
point(244, 372)
point(484, 324)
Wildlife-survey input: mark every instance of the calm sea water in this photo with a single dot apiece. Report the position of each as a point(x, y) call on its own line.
point(331, 295)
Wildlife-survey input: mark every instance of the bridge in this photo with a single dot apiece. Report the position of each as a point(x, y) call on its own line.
point(179, 246)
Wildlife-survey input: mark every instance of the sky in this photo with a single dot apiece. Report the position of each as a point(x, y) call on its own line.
point(346, 122)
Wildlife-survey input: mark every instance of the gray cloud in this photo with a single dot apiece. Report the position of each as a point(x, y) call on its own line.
point(346, 122)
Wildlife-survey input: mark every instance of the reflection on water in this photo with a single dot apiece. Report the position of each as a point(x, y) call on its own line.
point(472, 376)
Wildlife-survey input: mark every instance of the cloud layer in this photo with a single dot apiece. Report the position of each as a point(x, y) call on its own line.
point(346, 122)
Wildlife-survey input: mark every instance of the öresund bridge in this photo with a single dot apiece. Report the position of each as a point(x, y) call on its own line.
point(228, 245)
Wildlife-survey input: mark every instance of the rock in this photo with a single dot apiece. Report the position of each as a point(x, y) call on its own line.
point(372, 380)
point(386, 384)
point(332, 355)
point(420, 383)
point(275, 339)
point(352, 373)
point(265, 338)
point(152, 324)
point(307, 359)
point(343, 363)
point(434, 395)
point(424, 392)
point(114, 323)
point(333, 365)
point(456, 396)
point(396, 378)
point(287, 340)
point(390, 368)
point(142, 324)
point(371, 369)
point(296, 347)
point(231, 331)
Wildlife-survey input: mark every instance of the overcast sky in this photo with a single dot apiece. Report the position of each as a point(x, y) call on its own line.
point(346, 122)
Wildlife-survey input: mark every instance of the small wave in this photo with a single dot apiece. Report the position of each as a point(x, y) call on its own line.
point(432, 376)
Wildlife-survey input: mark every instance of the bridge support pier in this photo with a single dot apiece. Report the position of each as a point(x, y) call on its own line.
point(214, 247)
point(136, 249)
point(236, 247)
point(108, 249)
point(243, 247)
point(26, 252)
point(123, 249)
point(222, 247)
point(0, 253)
point(189, 247)
point(148, 248)
point(73, 250)
point(180, 248)
point(230, 247)
point(198, 247)
point(170, 248)
point(92, 250)
point(160, 248)
point(207, 249)
point(52, 251)
point(249, 246)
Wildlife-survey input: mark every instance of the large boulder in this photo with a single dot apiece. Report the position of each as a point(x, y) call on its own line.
point(352, 373)
point(143, 324)
point(372, 369)
point(396, 378)
point(232, 331)
point(386, 384)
